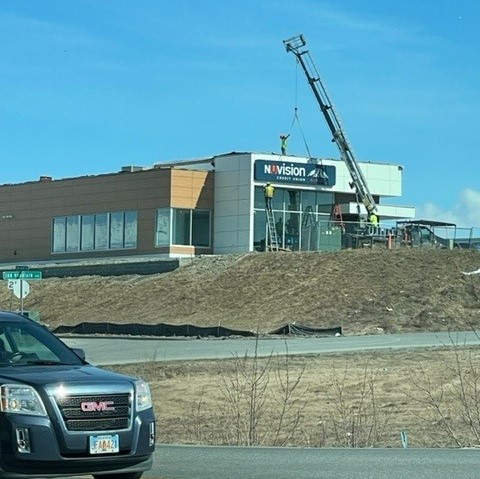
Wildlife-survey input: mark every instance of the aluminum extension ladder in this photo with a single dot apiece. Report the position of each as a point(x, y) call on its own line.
point(272, 232)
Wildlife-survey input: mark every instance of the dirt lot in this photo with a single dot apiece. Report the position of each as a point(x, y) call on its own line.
point(364, 291)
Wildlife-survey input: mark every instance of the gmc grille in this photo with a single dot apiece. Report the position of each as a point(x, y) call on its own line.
point(96, 418)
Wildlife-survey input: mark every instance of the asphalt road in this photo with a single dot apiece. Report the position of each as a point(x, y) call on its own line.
point(203, 462)
point(112, 350)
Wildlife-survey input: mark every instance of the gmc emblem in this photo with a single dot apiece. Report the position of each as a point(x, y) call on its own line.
point(89, 406)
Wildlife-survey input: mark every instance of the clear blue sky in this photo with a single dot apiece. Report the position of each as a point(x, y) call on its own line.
point(88, 86)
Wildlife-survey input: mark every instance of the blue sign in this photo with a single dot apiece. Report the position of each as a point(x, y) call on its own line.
point(289, 172)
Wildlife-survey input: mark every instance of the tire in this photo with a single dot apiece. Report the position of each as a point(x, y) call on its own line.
point(126, 475)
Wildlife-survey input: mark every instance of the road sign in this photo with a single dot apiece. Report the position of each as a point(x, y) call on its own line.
point(21, 289)
point(22, 274)
point(11, 283)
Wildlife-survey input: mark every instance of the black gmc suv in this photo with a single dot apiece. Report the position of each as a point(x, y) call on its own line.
point(60, 416)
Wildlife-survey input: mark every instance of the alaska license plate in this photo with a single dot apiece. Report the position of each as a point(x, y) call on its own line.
point(105, 444)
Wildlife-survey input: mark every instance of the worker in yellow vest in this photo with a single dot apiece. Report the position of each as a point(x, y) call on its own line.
point(269, 191)
point(283, 143)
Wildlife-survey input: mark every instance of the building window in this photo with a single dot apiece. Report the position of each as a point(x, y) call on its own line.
point(101, 231)
point(130, 229)
point(116, 230)
point(73, 233)
point(181, 226)
point(293, 210)
point(59, 234)
point(162, 233)
point(87, 233)
point(201, 228)
point(92, 232)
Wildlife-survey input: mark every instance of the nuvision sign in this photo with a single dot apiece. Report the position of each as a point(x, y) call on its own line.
point(289, 172)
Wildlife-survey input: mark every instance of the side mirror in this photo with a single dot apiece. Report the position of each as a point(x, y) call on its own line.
point(80, 353)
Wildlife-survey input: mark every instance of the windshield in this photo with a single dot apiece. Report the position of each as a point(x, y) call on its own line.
point(29, 343)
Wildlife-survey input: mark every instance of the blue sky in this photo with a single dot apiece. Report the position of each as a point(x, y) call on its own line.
point(88, 86)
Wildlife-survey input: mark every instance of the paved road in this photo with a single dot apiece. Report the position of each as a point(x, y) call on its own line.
point(111, 350)
point(208, 462)
point(203, 462)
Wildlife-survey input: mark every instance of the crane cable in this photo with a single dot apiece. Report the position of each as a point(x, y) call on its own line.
point(296, 118)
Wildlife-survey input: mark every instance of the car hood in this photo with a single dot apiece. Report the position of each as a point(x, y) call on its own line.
point(36, 375)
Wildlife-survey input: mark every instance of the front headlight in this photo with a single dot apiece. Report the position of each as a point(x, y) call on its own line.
point(142, 395)
point(21, 399)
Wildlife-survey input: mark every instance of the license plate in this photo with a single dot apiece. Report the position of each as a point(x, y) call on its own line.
point(106, 444)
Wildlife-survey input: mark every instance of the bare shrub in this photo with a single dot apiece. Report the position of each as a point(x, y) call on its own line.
point(451, 399)
point(356, 418)
point(260, 403)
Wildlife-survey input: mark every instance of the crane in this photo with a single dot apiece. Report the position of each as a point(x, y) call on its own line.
point(296, 45)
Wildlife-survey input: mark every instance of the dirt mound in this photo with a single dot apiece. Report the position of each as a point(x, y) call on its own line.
point(364, 291)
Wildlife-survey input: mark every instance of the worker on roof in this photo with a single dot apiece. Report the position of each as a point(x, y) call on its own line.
point(268, 191)
point(283, 143)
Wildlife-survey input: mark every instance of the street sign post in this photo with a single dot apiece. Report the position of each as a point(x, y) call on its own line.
point(17, 284)
point(22, 274)
point(21, 289)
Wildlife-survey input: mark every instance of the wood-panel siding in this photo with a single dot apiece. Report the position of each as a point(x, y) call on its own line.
point(27, 210)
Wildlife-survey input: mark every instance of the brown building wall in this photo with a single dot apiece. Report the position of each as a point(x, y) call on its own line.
point(27, 210)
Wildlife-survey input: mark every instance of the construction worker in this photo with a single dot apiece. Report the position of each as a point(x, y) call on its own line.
point(283, 143)
point(373, 219)
point(269, 191)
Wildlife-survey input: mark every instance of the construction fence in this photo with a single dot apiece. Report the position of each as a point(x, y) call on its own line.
point(334, 235)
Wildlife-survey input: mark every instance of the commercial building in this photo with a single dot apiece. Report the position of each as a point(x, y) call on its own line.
point(206, 206)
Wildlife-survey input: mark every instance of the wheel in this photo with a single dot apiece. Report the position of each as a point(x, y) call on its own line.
point(126, 475)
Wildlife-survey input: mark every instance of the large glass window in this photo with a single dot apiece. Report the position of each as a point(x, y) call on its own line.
point(294, 210)
point(259, 230)
point(292, 230)
point(73, 233)
point(95, 232)
point(101, 231)
point(279, 198)
point(325, 203)
point(87, 233)
point(277, 201)
point(162, 236)
point(181, 227)
point(201, 228)
point(116, 230)
point(308, 201)
point(259, 197)
point(292, 200)
point(130, 224)
point(59, 234)
point(189, 227)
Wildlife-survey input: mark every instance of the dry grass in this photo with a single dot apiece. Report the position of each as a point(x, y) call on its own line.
point(357, 399)
point(360, 290)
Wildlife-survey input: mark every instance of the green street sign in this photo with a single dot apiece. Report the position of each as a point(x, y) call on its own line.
point(22, 274)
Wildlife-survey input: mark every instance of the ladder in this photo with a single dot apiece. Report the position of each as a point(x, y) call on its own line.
point(272, 232)
point(337, 216)
point(308, 219)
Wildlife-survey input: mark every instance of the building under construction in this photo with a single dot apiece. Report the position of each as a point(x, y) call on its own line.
point(212, 205)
